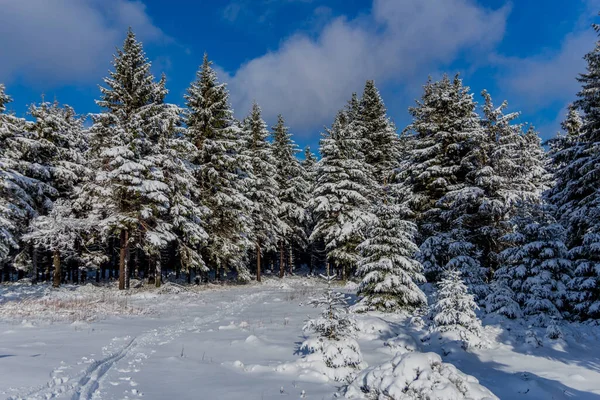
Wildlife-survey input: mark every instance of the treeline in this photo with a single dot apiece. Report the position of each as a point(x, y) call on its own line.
point(464, 192)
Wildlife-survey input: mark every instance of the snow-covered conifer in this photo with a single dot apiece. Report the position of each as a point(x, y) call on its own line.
point(220, 169)
point(294, 188)
point(536, 266)
point(454, 308)
point(333, 343)
point(25, 179)
point(130, 193)
point(443, 126)
point(577, 191)
point(389, 272)
point(380, 140)
point(61, 233)
point(342, 196)
point(263, 191)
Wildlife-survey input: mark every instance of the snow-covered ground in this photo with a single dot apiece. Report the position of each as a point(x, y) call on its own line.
point(242, 342)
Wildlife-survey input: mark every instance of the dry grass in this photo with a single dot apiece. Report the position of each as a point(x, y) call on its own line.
point(70, 306)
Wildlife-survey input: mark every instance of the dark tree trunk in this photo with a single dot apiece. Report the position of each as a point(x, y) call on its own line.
point(291, 259)
point(123, 258)
point(258, 279)
point(281, 265)
point(57, 273)
point(34, 266)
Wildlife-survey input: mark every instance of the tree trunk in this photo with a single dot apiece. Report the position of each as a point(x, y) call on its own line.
point(128, 269)
point(34, 266)
point(291, 259)
point(158, 273)
point(281, 265)
point(56, 278)
point(327, 272)
point(123, 258)
point(258, 262)
point(344, 273)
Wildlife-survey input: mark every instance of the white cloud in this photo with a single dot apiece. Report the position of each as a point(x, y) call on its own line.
point(307, 79)
point(547, 78)
point(66, 41)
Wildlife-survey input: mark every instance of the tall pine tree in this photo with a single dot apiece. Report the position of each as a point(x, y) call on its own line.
point(220, 172)
point(294, 189)
point(264, 189)
point(341, 201)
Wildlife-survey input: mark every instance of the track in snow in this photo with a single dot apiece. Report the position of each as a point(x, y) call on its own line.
point(88, 384)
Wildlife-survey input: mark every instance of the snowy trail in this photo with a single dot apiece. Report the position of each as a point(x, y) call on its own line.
point(120, 361)
point(241, 342)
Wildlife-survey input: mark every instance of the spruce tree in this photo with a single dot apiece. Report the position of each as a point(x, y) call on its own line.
point(59, 136)
point(389, 272)
point(454, 309)
point(380, 140)
point(294, 189)
point(310, 167)
point(220, 171)
point(19, 194)
point(536, 265)
point(444, 122)
point(342, 196)
point(264, 188)
point(577, 191)
point(445, 131)
point(130, 192)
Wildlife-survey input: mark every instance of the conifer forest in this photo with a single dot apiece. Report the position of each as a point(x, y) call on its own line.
point(175, 250)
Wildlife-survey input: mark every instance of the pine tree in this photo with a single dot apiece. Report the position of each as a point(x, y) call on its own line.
point(220, 169)
point(341, 201)
point(444, 122)
point(18, 193)
point(454, 309)
point(61, 233)
point(130, 192)
point(334, 345)
point(388, 270)
point(507, 169)
point(60, 145)
point(577, 192)
point(310, 167)
point(264, 189)
point(536, 265)
point(294, 188)
point(380, 140)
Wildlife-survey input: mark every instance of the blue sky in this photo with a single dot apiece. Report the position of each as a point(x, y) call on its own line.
point(304, 58)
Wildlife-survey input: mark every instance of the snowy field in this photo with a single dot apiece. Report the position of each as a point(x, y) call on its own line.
point(242, 342)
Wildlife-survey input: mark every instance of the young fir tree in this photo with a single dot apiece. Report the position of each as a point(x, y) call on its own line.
point(389, 272)
point(220, 169)
point(536, 266)
point(454, 309)
point(577, 192)
point(264, 189)
point(334, 345)
point(294, 189)
point(341, 199)
point(380, 140)
point(130, 193)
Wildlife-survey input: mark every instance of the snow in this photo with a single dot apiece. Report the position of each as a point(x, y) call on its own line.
point(234, 342)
